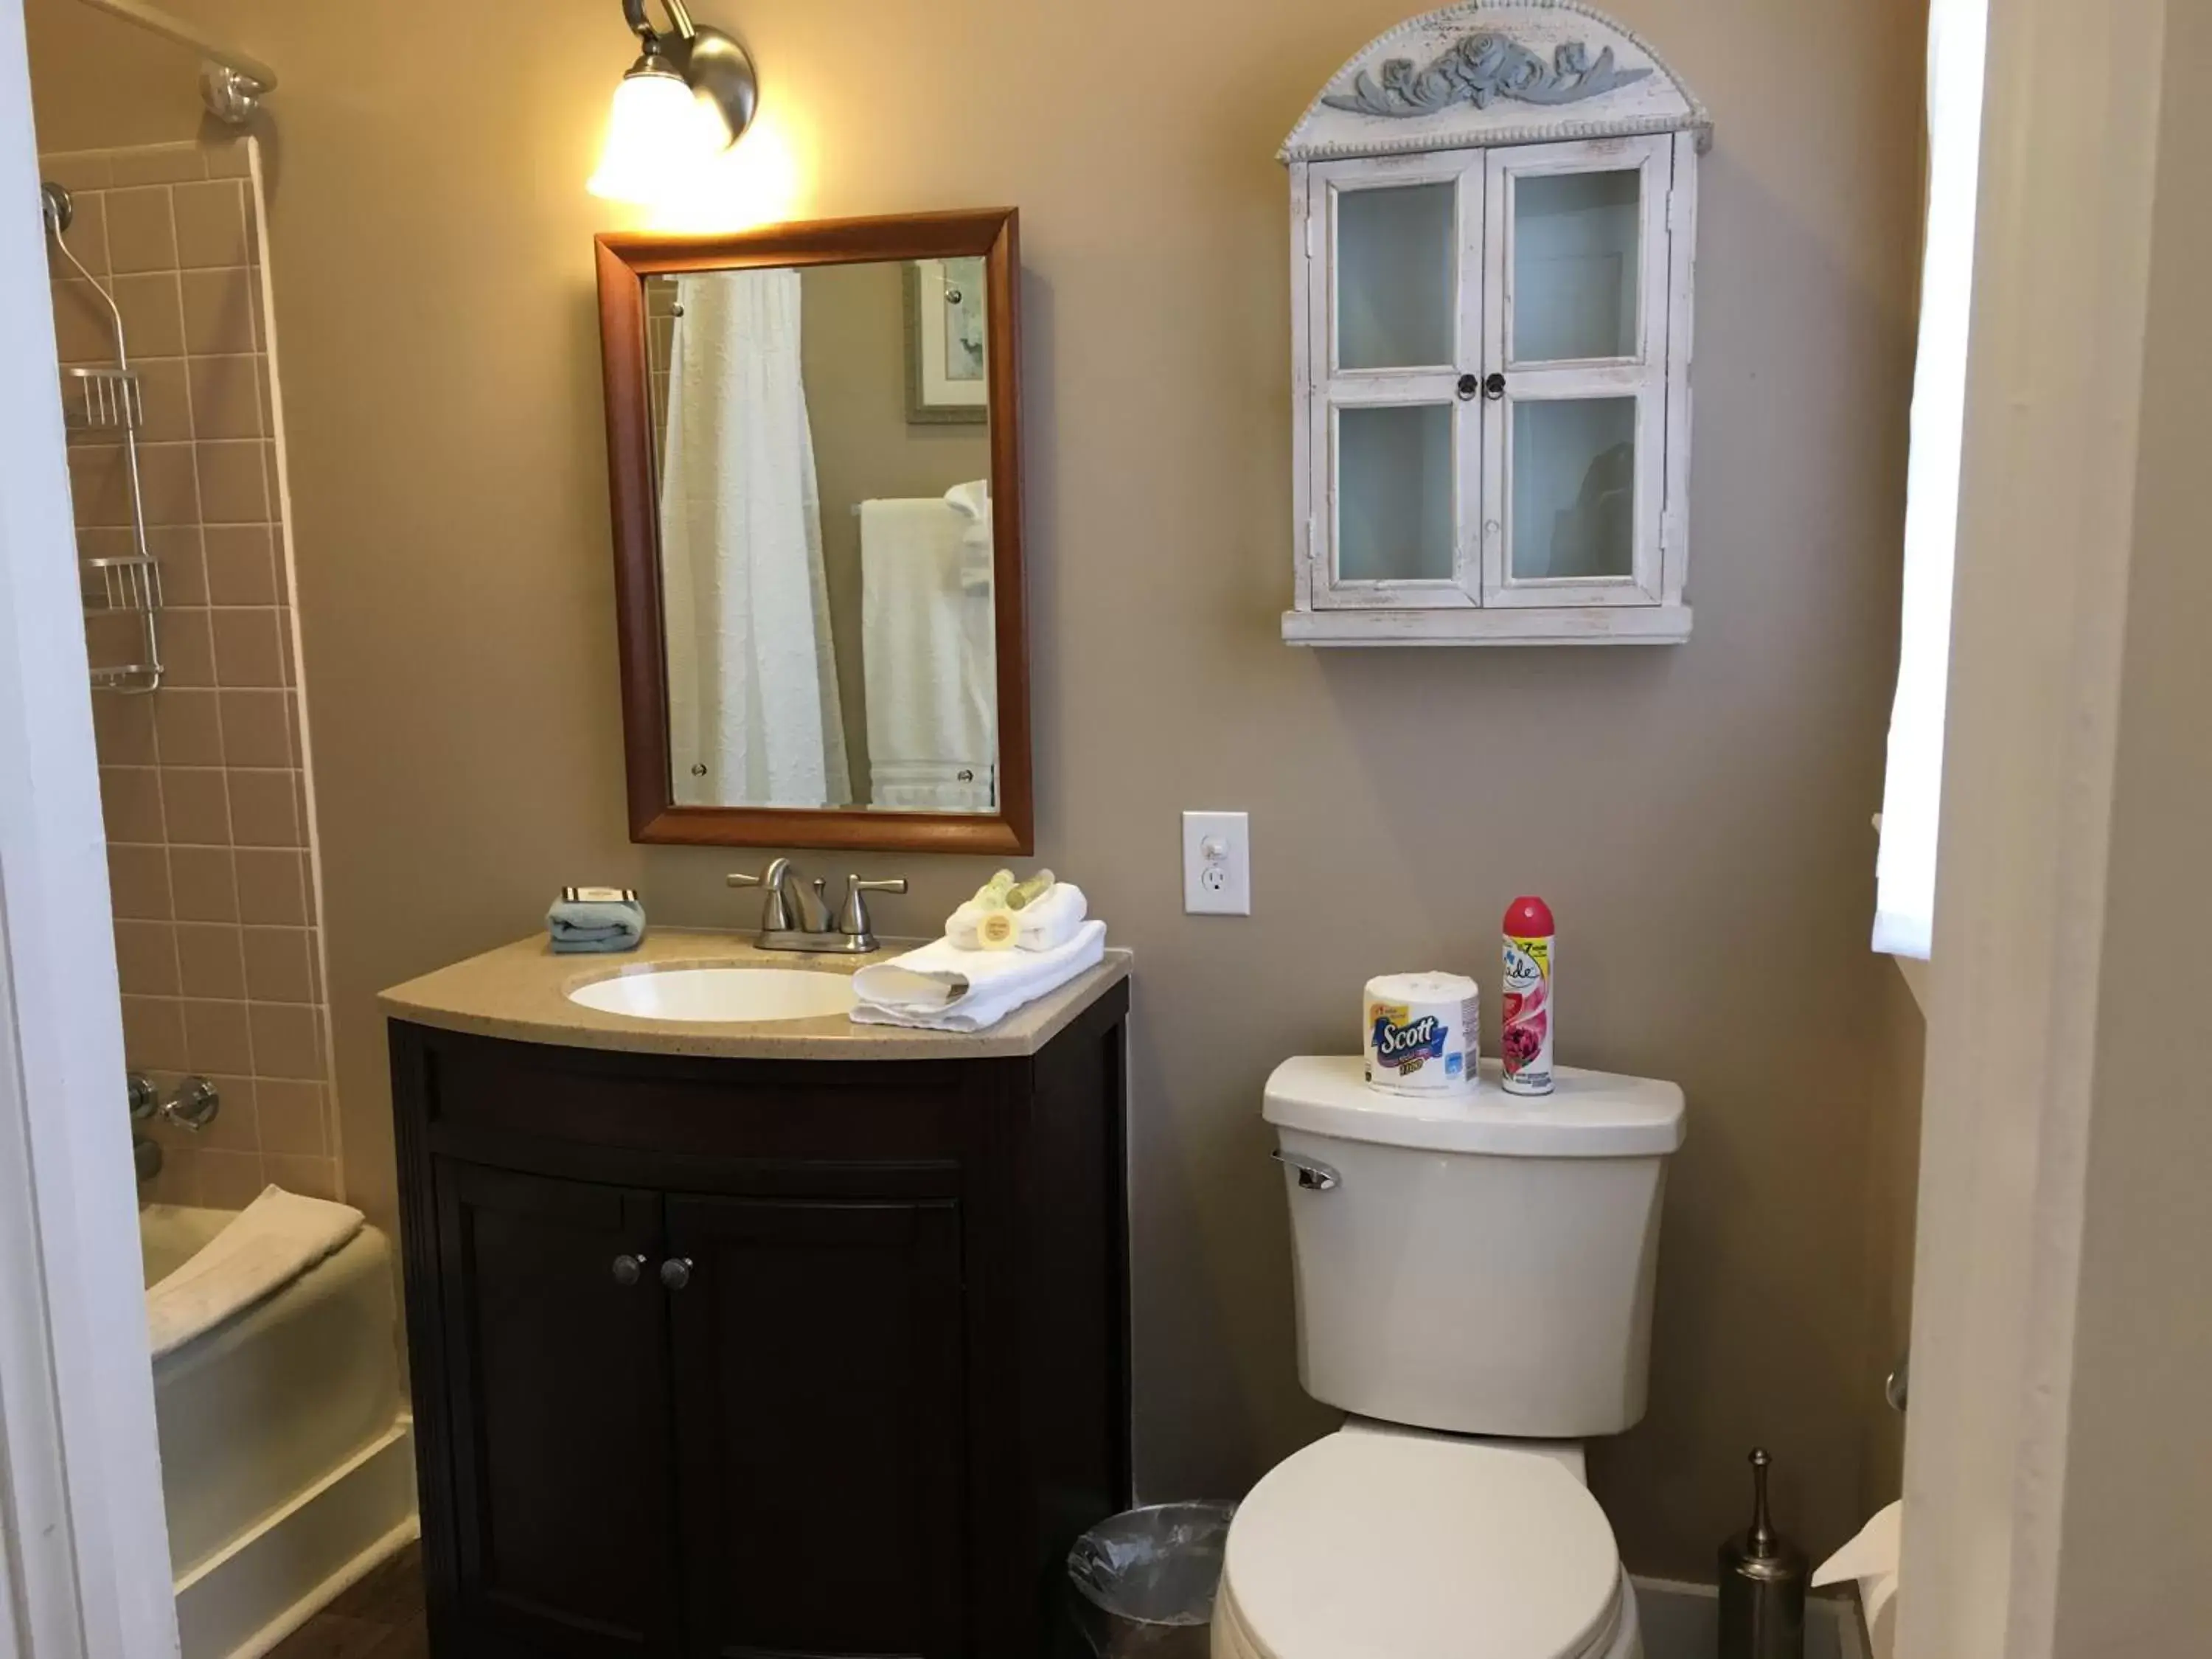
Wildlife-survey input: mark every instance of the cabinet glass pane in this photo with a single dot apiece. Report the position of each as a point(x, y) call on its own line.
point(1393, 492)
point(1574, 489)
point(1393, 277)
point(1575, 265)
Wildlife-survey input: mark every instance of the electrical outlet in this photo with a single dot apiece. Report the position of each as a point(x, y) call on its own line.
point(1217, 864)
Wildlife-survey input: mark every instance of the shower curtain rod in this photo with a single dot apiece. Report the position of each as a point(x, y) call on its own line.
point(240, 78)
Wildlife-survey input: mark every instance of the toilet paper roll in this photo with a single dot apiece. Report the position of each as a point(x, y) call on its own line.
point(1422, 1033)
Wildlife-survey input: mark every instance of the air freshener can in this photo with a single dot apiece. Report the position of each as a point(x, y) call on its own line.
point(1530, 957)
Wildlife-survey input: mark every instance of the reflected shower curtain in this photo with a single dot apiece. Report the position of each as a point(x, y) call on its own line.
point(753, 714)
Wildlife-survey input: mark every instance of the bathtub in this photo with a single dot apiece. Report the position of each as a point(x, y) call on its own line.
point(287, 1459)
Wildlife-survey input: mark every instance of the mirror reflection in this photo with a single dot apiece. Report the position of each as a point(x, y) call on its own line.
point(821, 443)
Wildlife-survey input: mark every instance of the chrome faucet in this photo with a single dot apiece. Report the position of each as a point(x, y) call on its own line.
point(795, 915)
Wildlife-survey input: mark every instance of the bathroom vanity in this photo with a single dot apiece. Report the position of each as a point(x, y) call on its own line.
point(780, 1337)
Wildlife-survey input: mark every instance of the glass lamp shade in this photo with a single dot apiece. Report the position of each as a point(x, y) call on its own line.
point(659, 136)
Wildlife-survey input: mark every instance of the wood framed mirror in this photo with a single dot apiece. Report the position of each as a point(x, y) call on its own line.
point(814, 451)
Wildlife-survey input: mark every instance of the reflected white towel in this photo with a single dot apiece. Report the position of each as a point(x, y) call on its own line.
point(973, 502)
point(929, 660)
point(274, 1240)
point(941, 987)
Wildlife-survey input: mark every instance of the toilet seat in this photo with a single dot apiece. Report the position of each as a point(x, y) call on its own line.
point(1396, 1546)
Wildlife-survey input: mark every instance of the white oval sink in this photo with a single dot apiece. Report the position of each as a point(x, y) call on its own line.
point(713, 993)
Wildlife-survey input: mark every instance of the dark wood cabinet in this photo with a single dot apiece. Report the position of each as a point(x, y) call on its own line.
point(731, 1358)
point(556, 1411)
point(820, 1426)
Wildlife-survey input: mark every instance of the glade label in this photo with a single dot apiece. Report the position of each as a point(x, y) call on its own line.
point(1527, 962)
point(1527, 1019)
point(1402, 1043)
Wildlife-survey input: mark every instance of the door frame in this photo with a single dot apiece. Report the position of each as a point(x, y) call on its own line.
point(2045, 541)
point(84, 1548)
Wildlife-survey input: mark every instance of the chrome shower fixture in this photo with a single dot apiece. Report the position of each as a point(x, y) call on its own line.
point(57, 207)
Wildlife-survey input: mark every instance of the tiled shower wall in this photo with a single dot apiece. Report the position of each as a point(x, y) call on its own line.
point(204, 781)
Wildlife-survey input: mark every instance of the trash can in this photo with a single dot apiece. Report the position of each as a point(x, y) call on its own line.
point(1145, 1580)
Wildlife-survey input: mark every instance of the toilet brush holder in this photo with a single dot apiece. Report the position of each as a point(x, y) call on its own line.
point(1763, 1577)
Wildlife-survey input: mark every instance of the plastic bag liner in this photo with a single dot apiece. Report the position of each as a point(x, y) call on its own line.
point(1145, 1580)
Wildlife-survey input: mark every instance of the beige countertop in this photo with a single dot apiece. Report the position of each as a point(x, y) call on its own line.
point(521, 990)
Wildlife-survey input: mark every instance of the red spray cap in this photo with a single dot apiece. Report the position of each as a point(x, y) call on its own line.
point(1529, 917)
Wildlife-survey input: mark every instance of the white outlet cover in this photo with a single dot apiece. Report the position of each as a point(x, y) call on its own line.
point(1217, 864)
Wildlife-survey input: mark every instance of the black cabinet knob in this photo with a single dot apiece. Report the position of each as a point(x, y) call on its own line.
point(1469, 385)
point(629, 1269)
point(676, 1273)
point(1494, 387)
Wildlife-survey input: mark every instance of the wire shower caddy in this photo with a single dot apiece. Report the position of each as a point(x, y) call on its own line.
point(109, 403)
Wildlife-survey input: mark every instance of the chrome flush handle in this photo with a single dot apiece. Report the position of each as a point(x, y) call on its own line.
point(1313, 1175)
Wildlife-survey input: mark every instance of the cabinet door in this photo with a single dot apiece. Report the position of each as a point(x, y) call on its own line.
point(1575, 326)
point(556, 1361)
point(820, 1427)
point(1394, 337)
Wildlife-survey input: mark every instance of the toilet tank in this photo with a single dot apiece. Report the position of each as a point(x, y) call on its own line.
point(1479, 1265)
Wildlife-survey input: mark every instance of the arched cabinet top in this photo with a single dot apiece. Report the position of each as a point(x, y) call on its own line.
point(1489, 72)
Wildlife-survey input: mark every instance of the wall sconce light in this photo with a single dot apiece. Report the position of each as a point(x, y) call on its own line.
point(689, 96)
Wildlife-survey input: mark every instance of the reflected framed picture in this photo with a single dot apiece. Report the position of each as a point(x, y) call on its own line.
point(947, 367)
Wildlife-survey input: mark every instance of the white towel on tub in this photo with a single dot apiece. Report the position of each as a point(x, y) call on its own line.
point(274, 1240)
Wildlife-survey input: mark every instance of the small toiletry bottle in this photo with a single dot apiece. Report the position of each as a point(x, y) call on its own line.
point(1023, 894)
point(1529, 960)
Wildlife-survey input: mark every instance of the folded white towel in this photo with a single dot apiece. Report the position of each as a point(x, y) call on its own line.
point(1045, 926)
point(961, 927)
point(1052, 921)
point(274, 1240)
point(942, 988)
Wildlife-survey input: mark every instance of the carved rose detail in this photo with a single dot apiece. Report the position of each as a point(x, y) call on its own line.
point(1480, 68)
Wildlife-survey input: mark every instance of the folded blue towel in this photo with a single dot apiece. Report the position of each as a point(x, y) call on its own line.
point(589, 919)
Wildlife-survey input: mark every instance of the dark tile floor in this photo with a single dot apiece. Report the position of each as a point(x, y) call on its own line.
point(380, 1617)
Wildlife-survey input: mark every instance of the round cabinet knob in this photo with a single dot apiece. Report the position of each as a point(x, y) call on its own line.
point(1469, 385)
point(1494, 387)
point(676, 1273)
point(629, 1269)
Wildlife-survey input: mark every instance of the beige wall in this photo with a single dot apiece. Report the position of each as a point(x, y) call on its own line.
point(1698, 817)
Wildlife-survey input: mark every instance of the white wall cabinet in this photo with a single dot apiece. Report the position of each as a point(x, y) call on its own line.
point(1493, 209)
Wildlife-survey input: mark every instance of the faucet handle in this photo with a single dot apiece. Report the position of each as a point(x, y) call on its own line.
point(776, 913)
point(853, 920)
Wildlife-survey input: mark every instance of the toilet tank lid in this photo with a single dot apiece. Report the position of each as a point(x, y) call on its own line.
point(1587, 1114)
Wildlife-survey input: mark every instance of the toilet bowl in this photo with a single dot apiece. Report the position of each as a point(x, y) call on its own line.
point(1465, 1269)
point(1378, 1541)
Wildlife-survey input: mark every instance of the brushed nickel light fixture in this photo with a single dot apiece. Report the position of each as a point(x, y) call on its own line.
point(687, 97)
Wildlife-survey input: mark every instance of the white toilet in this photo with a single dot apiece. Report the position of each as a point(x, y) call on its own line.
point(1475, 1282)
